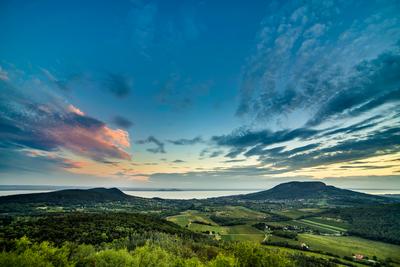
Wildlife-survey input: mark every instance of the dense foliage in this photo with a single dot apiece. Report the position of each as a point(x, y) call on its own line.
point(285, 234)
point(375, 222)
point(227, 220)
point(89, 200)
point(89, 228)
point(166, 252)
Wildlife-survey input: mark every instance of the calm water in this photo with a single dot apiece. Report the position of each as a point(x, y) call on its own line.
point(199, 194)
point(17, 192)
point(186, 194)
point(378, 191)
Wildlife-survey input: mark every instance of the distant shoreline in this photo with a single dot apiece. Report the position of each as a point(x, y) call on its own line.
point(55, 187)
point(45, 187)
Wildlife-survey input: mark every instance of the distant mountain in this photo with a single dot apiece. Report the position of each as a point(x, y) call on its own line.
point(315, 191)
point(71, 196)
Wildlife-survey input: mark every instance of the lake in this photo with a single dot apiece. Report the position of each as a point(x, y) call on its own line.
point(199, 194)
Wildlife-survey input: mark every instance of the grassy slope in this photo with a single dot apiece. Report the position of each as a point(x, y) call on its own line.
point(236, 232)
point(348, 245)
point(339, 245)
point(330, 222)
point(314, 254)
point(296, 213)
point(334, 228)
point(240, 212)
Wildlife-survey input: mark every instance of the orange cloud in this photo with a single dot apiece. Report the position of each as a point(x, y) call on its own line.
point(96, 143)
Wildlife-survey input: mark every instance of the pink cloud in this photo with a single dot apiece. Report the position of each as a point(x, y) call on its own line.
point(55, 158)
point(75, 110)
point(96, 143)
point(44, 122)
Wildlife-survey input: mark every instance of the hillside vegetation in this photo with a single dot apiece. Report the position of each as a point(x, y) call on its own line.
point(380, 222)
point(293, 224)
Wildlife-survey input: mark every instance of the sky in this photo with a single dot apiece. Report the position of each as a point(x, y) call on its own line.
point(200, 94)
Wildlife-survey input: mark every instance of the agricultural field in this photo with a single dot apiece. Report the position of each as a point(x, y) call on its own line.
point(201, 222)
point(348, 245)
point(297, 213)
point(243, 232)
point(327, 221)
point(343, 246)
point(239, 212)
point(321, 227)
point(314, 224)
point(317, 255)
point(319, 233)
point(189, 216)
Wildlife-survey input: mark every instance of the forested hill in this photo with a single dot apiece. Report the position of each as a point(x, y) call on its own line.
point(319, 191)
point(380, 222)
point(94, 195)
point(292, 191)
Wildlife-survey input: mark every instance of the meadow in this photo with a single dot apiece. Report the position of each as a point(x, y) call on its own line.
point(321, 234)
point(349, 245)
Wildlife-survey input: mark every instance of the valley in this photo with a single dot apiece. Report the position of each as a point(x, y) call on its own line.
point(329, 234)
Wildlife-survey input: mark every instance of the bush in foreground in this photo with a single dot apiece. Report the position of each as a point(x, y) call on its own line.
point(161, 252)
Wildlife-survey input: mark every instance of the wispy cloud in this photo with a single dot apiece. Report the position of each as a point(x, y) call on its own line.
point(152, 140)
point(122, 122)
point(150, 28)
point(3, 74)
point(312, 62)
point(286, 151)
point(61, 84)
point(184, 141)
point(180, 92)
point(118, 85)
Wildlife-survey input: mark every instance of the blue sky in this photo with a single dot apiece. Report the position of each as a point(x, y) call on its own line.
point(199, 93)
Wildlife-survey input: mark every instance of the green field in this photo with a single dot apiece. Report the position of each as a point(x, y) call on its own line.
point(348, 245)
point(243, 232)
point(297, 213)
point(344, 246)
point(327, 229)
point(324, 228)
point(317, 255)
point(189, 218)
point(338, 245)
point(239, 212)
point(336, 223)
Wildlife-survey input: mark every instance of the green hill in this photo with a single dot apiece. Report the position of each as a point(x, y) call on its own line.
point(70, 196)
point(317, 191)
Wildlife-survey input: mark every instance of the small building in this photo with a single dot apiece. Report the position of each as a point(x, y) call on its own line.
point(358, 257)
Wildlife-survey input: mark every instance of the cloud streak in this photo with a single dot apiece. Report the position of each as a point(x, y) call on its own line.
point(152, 140)
point(312, 62)
point(275, 152)
point(187, 142)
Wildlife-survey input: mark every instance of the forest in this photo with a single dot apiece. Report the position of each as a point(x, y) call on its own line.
point(70, 228)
